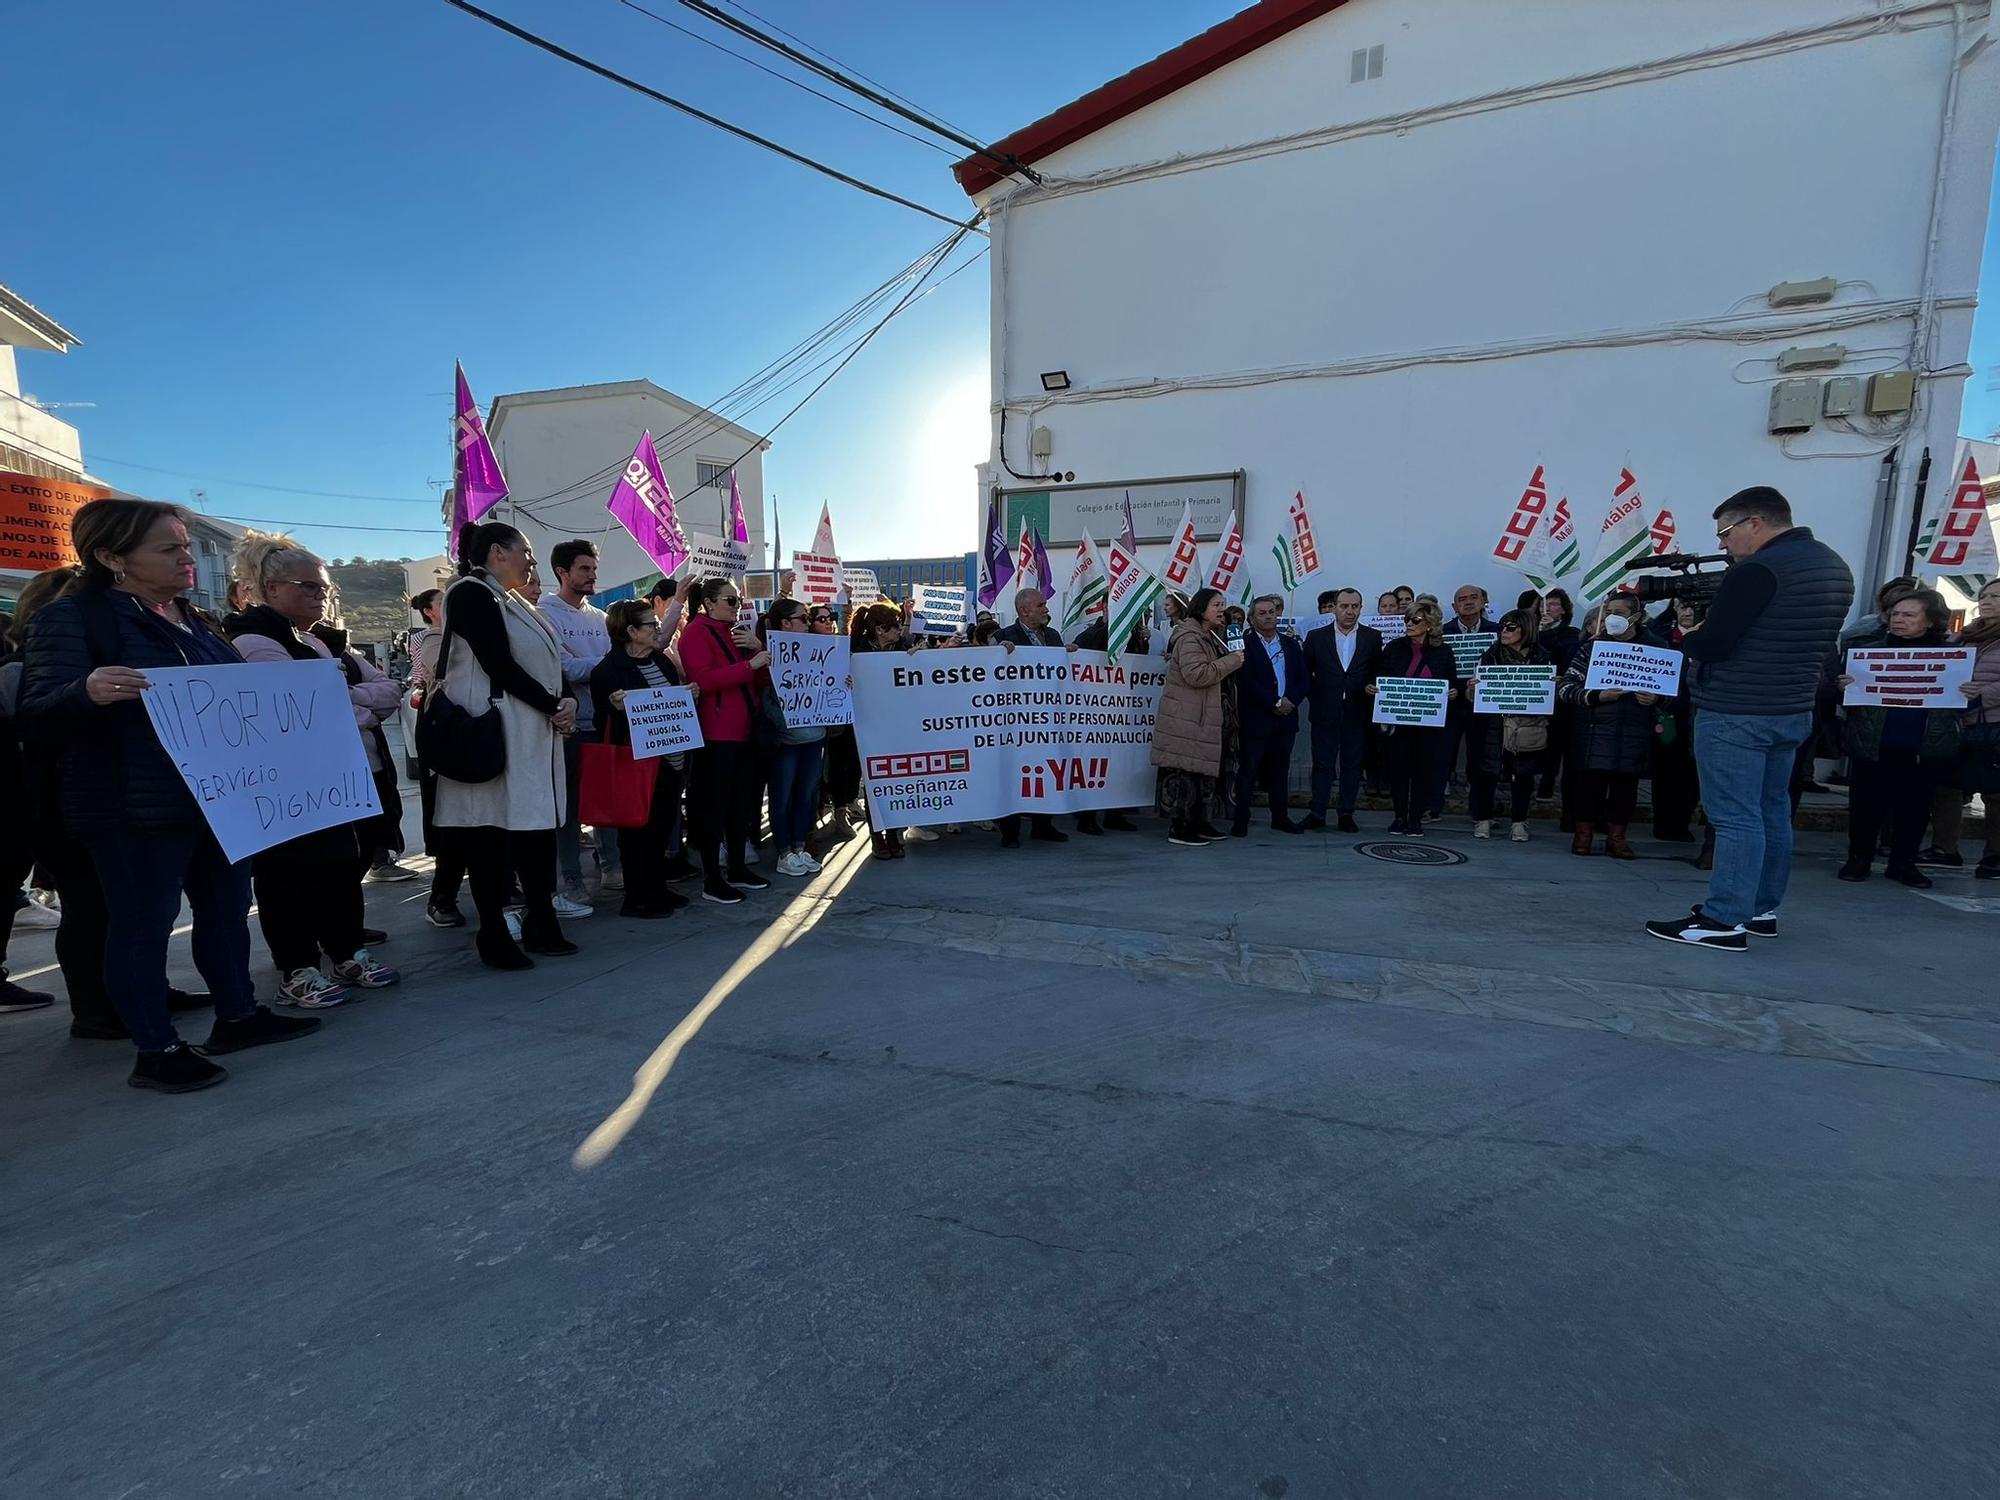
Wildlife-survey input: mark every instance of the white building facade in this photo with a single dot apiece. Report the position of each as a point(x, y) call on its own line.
point(1396, 255)
point(563, 450)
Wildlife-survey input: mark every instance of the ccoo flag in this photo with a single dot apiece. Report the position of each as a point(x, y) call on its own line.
point(1182, 573)
point(1228, 559)
point(739, 528)
point(1085, 595)
point(1624, 536)
point(477, 483)
point(644, 505)
point(1525, 517)
point(1962, 547)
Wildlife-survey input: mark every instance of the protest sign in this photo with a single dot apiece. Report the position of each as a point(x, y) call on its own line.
point(663, 721)
point(1419, 701)
point(809, 675)
point(269, 749)
point(1908, 677)
point(818, 577)
point(1515, 690)
point(862, 585)
point(1468, 648)
point(1303, 625)
point(961, 736)
point(1632, 668)
point(35, 515)
point(1389, 627)
point(712, 557)
point(935, 609)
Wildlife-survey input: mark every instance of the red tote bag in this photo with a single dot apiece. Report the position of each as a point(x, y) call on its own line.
point(613, 789)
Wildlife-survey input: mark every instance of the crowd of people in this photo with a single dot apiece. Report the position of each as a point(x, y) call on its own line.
point(517, 682)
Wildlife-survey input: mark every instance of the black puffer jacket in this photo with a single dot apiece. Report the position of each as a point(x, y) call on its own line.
point(1605, 736)
point(113, 773)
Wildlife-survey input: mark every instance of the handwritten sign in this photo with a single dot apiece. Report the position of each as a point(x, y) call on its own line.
point(663, 721)
point(809, 674)
point(1908, 677)
point(818, 577)
point(1514, 690)
point(1633, 668)
point(712, 557)
point(268, 749)
point(1467, 649)
point(862, 585)
point(935, 609)
point(1416, 701)
point(1389, 627)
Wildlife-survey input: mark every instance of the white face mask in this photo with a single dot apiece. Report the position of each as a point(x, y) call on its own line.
point(1616, 624)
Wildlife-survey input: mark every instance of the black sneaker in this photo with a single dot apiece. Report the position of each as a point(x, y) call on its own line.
point(549, 944)
point(1938, 859)
point(1987, 869)
point(1397, 827)
point(1312, 822)
point(1764, 925)
point(1348, 825)
point(258, 1029)
point(1414, 829)
point(502, 953)
point(721, 892)
point(680, 868)
point(1090, 827)
point(1187, 839)
point(1049, 835)
point(1911, 876)
point(1698, 932)
point(1854, 871)
point(13, 998)
point(748, 880)
point(178, 1070)
point(443, 916)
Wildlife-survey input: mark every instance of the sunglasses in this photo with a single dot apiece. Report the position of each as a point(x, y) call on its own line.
point(729, 599)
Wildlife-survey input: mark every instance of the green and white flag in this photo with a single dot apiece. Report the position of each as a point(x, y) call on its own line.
point(1087, 588)
point(1288, 569)
point(1130, 594)
point(1623, 537)
point(1554, 552)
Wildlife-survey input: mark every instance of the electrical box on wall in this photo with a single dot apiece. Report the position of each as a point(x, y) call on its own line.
point(1843, 396)
point(1891, 392)
point(1812, 356)
point(1794, 405)
point(1803, 293)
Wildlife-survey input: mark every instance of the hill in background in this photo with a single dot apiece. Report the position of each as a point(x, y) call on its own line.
point(371, 598)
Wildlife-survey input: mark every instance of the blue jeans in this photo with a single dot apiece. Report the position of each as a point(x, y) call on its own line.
point(794, 793)
point(1745, 762)
point(143, 876)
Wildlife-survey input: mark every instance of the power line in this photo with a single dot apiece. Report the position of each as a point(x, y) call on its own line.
point(245, 484)
point(703, 115)
point(797, 83)
point(430, 531)
point(855, 86)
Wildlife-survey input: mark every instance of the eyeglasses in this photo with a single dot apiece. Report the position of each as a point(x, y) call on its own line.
point(647, 624)
point(310, 585)
point(1732, 526)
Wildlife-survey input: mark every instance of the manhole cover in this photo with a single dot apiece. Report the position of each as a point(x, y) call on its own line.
point(1411, 854)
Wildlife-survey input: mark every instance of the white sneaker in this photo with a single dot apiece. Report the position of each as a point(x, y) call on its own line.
point(362, 973)
point(920, 835)
point(36, 917)
point(1519, 834)
point(308, 989)
point(1483, 829)
point(788, 864)
point(513, 919)
point(807, 863)
point(575, 911)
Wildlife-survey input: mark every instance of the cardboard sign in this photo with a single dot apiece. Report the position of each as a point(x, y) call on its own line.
point(1908, 677)
point(712, 557)
point(1467, 649)
point(663, 721)
point(819, 578)
point(1389, 627)
point(1632, 668)
point(809, 675)
point(1417, 701)
point(269, 749)
point(1514, 690)
point(35, 516)
point(960, 736)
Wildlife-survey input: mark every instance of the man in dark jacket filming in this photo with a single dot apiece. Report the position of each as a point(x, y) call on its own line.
point(1755, 663)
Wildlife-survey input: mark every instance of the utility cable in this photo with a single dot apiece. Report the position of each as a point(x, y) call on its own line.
point(556, 50)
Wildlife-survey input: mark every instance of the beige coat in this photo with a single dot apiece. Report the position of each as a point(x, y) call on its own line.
point(1187, 734)
point(529, 794)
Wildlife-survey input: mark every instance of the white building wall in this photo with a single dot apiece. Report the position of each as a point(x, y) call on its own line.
point(1648, 207)
point(549, 441)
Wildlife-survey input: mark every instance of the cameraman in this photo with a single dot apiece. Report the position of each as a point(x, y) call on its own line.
point(1756, 664)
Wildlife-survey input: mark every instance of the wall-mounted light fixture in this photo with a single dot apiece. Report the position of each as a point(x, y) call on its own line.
point(1055, 380)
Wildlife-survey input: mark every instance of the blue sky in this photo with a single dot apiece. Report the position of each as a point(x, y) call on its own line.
point(275, 227)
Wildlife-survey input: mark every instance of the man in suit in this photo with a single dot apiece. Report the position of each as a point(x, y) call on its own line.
point(1340, 661)
point(1031, 627)
point(1461, 725)
point(1095, 637)
point(1269, 690)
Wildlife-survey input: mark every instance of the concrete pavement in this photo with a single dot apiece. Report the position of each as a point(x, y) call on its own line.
point(1261, 1170)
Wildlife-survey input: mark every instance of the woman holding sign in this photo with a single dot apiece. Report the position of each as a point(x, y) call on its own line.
point(636, 662)
point(1513, 753)
point(124, 800)
point(1194, 730)
point(794, 762)
point(1896, 756)
point(729, 674)
point(1408, 750)
point(498, 655)
point(1611, 736)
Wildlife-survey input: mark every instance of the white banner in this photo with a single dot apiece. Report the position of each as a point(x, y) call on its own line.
point(809, 674)
point(1514, 690)
point(1417, 701)
point(663, 721)
point(269, 749)
point(1908, 677)
point(1633, 668)
point(963, 736)
point(712, 557)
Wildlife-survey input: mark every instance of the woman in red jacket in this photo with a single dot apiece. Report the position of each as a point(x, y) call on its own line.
point(729, 667)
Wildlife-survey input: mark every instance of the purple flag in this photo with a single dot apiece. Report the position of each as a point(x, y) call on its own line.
point(741, 527)
point(476, 475)
point(996, 559)
point(644, 506)
point(1129, 538)
point(1042, 568)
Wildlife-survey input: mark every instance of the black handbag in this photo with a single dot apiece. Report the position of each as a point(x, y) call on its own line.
point(453, 743)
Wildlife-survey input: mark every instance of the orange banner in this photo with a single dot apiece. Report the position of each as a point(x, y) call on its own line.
point(34, 519)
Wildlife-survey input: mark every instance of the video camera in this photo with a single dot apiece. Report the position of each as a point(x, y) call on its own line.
point(1688, 581)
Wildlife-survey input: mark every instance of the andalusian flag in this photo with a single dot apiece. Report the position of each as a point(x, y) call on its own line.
point(1130, 594)
point(1087, 588)
point(1624, 536)
point(1288, 570)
